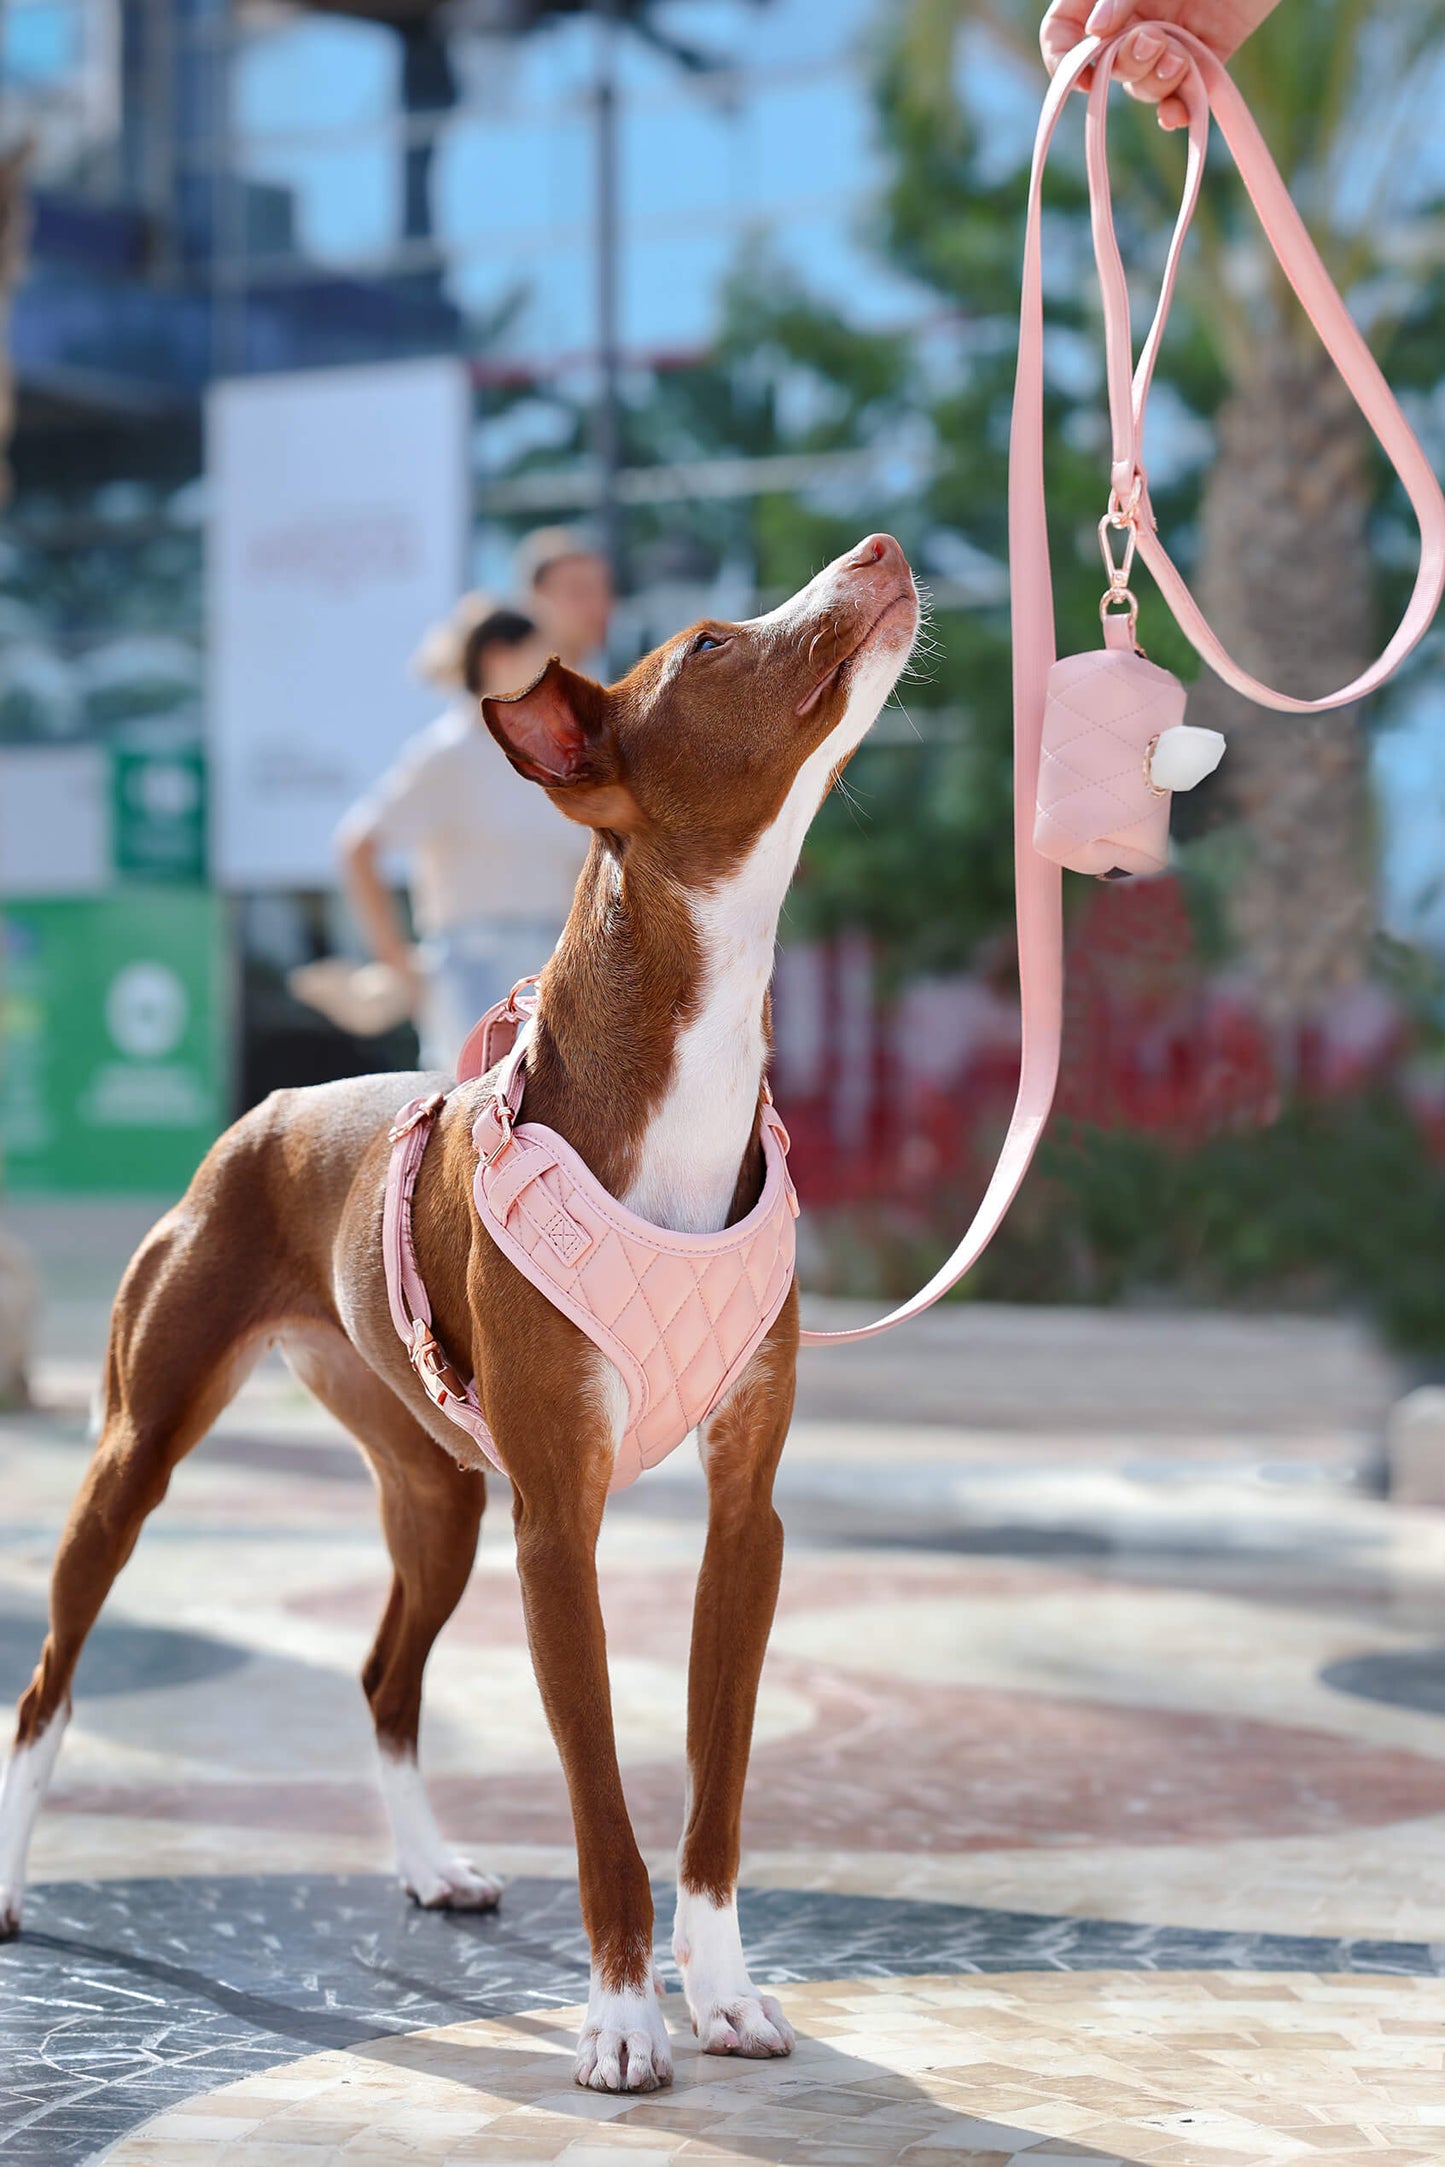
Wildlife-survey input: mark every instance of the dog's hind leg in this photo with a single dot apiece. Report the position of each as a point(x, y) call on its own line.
point(737, 1590)
point(182, 1337)
point(431, 1514)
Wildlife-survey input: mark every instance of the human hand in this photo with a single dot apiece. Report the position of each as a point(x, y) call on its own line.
point(1150, 65)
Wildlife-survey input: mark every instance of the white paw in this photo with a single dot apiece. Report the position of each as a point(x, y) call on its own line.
point(450, 1883)
point(729, 2015)
point(12, 1895)
point(623, 2047)
point(751, 2024)
point(429, 1870)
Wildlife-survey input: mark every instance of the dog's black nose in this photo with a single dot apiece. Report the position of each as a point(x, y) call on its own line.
point(1117, 872)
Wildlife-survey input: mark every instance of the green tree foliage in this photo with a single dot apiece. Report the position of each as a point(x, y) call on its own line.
point(1291, 1214)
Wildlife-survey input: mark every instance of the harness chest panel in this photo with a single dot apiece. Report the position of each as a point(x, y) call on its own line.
point(680, 1315)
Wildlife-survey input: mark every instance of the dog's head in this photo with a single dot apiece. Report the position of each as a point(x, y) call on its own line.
point(704, 744)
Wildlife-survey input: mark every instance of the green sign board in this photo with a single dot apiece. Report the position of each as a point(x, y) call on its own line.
point(158, 808)
point(113, 1040)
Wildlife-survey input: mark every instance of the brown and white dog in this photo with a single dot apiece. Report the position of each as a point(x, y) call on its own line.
point(699, 775)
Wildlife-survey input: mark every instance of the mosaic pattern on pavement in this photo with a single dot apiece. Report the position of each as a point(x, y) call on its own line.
point(1233, 2070)
point(1098, 1794)
point(121, 1997)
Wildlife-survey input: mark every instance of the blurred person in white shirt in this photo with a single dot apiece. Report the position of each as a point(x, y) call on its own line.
point(491, 866)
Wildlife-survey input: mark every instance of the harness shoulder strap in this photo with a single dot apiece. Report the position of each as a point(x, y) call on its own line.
point(496, 1030)
point(1038, 882)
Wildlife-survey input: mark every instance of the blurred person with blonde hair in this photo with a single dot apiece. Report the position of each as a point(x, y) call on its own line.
point(491, 867)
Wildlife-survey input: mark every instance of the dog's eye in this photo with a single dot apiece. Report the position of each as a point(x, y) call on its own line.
point(706, 640)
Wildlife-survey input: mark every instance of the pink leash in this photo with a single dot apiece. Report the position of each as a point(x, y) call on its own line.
point(1038, 880)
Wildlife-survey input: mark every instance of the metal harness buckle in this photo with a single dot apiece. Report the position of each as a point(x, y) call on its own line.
point(503, 1113)
point(439, 1380)
point(425, 1109)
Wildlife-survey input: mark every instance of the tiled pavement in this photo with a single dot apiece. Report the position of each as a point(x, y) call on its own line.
point(1097, 1810)
point(1230, 2068)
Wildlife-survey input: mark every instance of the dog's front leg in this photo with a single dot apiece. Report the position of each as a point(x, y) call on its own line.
point(560, 1476)
point(736, 1593)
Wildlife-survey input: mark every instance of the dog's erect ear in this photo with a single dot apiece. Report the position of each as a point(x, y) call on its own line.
point(556, 731)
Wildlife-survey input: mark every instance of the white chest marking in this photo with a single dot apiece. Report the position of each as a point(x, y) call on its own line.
point(692, 1150)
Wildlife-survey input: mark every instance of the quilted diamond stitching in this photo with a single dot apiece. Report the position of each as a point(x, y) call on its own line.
point(679, 1373)
point(727, 1293)
point(1064, 692)
point(565, 1236)
point(1052, 765)
point(703, 1272)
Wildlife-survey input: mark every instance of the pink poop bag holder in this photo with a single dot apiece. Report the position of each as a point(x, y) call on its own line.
point(1100, 740)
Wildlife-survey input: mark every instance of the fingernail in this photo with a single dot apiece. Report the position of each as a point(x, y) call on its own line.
point(1147, 46)
point(1103, 18)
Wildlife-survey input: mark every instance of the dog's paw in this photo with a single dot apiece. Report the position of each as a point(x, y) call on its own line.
point(729, 2015)
point(748, 2024)
point(451, 1884)
point(624, 2046)
point(11, 1898)
point(433, 1875)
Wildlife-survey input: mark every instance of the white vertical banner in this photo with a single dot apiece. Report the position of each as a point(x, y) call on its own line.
point(339, 514)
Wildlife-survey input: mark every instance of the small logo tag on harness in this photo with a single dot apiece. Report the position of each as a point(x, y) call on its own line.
point(565, 1238)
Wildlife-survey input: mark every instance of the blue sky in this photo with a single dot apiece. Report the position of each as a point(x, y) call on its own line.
point(791, 155)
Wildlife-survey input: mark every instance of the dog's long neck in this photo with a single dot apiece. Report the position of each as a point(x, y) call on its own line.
point(654, 1030)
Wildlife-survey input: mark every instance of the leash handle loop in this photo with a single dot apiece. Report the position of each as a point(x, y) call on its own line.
point(1038, 882)
point(1208, 87)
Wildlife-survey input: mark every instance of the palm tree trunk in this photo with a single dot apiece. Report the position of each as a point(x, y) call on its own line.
point(1285, 580)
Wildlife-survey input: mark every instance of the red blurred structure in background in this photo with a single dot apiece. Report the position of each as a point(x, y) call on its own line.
point(898, 1098)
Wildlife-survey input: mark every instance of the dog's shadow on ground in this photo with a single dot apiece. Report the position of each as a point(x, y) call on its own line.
point(823, 2104)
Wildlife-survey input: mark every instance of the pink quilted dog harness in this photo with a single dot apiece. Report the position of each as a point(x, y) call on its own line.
point(679, 1314)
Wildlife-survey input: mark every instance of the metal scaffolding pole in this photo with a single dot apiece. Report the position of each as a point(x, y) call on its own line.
point(228, 208)
point(607, 413)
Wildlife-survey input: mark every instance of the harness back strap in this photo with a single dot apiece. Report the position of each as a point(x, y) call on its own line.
point(405, 1287)
point(1038, 883)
